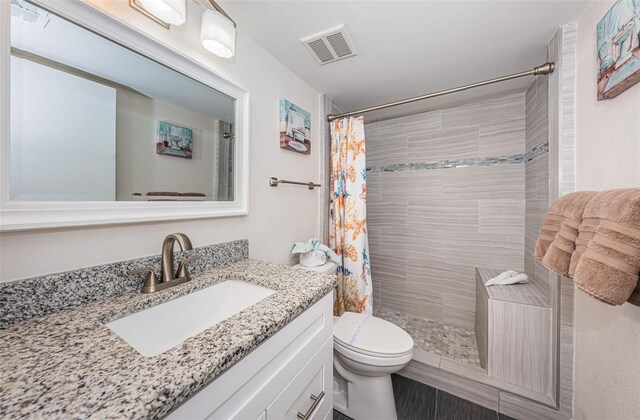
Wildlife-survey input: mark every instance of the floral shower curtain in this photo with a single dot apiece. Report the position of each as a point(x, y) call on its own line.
point(348, 215)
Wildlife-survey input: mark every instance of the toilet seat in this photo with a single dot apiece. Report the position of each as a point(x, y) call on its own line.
point(372, 341)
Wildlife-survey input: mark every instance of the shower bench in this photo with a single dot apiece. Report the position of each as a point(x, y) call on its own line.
point(514, 332)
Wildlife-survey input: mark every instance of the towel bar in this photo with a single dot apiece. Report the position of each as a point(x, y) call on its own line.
point(273, 182)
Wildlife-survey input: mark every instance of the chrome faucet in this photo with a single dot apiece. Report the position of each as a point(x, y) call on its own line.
point(167, 276)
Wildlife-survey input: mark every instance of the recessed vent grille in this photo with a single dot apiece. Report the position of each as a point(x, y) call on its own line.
point(331, 45)
point(321, 51)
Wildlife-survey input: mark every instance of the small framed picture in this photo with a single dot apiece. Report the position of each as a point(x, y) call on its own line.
point(295, 128)
point(618, 46)
point(174, 140)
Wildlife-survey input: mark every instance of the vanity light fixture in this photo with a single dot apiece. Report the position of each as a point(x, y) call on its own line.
point(163, 12)
point(218, 32)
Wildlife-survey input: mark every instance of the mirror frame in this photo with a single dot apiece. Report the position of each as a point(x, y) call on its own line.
point(28, 215)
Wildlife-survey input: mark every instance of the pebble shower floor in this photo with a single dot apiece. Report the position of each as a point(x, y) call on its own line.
point(450, 341)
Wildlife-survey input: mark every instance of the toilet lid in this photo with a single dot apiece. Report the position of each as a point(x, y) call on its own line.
point(367, 334)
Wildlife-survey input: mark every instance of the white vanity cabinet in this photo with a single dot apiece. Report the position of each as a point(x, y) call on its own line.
point(290, 373)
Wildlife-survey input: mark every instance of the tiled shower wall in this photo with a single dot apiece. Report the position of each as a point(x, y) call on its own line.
point(445, 193)
point(536, 172)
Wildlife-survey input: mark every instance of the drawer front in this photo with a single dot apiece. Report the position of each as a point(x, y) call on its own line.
point(245, 390)
point(310, 393)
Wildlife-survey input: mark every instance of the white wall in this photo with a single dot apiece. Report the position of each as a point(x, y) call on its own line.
point(607, 338)
point(278, 216)
point(54, 157)
point(140, 169)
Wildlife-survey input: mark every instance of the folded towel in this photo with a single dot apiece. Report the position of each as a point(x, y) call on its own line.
point(561, 249)
point(313, 259)
point(567, 208)
point(609, 268)
point(309, 260)
point(585, 233)
point(506, 278)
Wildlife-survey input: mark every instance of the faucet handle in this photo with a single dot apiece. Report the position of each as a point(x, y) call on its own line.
point(150, 282)
point(182, 267)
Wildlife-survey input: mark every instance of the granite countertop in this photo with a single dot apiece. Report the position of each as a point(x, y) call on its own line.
point(70, 365)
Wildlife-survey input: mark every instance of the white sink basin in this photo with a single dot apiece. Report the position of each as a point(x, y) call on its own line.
point(157, 329)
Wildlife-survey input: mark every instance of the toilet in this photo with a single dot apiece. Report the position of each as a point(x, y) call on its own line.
point(366, 351)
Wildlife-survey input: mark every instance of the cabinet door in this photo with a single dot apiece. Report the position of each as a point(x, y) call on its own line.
point(310, 393)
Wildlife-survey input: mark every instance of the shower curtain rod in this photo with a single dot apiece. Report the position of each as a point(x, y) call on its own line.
point(546, 68)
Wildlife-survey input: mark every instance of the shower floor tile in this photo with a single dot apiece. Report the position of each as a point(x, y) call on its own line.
point(450, 341)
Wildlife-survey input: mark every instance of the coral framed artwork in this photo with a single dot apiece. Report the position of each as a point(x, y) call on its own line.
point(295, 128)
point(174, 140)
point(618, 49)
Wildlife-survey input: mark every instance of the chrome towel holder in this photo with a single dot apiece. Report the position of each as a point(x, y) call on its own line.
point(273, 182)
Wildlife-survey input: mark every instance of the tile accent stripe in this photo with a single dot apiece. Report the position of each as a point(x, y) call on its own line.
point(515, 159)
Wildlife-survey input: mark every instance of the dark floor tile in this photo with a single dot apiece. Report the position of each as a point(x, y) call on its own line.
point(414, 400)
point(339, 416)
point(451, 407)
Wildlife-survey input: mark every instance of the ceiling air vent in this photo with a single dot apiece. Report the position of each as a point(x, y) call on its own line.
point(331, 45)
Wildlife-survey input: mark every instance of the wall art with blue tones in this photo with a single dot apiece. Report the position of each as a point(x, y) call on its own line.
point(174, 140)
point(295, 128)
point(618, 46)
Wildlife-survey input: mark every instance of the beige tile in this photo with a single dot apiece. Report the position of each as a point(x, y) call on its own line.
point(374, 186)
point(537, 178)
point(458, 302)
point(484, 182)
point(484, 250)
point(411, 184)
point(390, 271)
point(423, 301)
point(387, 213)
point(389, 278)
point(427, 214)
point(387, 151)
point(450, 144)
point(519, 343)
point(371, 132)
point(430, 272)
point(536, 117)
point(374, 235)
point(423, 244)
point(501, 216)
point(502, 138)
point(410, 125)
point(505, 108)
point(535, 213)
point(522, 408)
point(396, 241)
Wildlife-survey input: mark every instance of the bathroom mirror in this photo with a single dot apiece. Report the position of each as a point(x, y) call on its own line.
point(103, 118)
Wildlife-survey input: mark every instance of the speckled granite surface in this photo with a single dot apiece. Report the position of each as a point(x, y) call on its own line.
point(70, 365)
point(39, 296)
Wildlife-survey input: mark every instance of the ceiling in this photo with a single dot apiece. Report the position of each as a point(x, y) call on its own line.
point(86, 51)
point(408, 48)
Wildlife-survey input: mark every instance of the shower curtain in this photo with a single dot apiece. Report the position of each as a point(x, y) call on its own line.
point(348, 215)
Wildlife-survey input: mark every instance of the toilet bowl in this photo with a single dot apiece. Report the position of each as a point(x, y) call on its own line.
point(367, 350)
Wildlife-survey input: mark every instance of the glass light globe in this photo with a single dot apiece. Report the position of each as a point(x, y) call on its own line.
point(218, 34)
point(172, 12)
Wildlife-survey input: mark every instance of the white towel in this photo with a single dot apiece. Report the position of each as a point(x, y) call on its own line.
point(506, 278)
point(313, 259)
